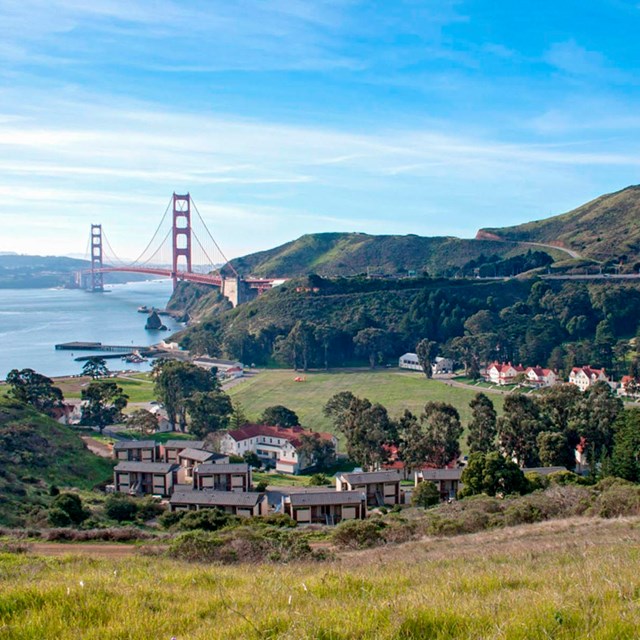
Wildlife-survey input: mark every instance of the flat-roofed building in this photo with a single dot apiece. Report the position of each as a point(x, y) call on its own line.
point(325, 506)
point(380, 487)
point(144, 478)
point(222, 477)
point(244, 504)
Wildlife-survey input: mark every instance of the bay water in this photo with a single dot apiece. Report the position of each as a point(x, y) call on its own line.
point(33, 321)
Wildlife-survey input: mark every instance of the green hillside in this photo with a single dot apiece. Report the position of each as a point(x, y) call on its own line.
point(604, 229)
point(347, 254)
point(35, 452)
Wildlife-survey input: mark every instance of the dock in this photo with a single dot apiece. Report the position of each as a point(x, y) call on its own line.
point(98, 346)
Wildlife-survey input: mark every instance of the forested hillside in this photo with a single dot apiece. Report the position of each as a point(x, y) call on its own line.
point(605, 229)
point(317, 322)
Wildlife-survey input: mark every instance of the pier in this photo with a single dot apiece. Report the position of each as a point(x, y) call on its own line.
point(98, 346)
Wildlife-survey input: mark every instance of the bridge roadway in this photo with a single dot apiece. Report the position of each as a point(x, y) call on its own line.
point(200, 278)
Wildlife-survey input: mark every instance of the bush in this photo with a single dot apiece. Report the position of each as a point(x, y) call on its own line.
point(319, 480)
point(615, 498)
point(426, 494)
point(54, 491)
point(536, 481)
point(149, 508)
point(272, 520)
point(170, 519)
point(58, 518)
point(71, 504)
point(564, 477)
point(199, 546)
point(110, 534)
point(261, 487)
point(206, 520)
point(359, 534)
point(121, 508)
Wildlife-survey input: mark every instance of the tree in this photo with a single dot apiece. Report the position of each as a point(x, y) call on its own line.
point(492, 474)
point(625, 459)
point(554, 450)
point(412, 446)
point(367, 428)
point(121, 508)
point(519, 427)
point(325, 334)
point(302, 339)
point(103, 403)
point(209, 411)
point(143, 421)
point(252, 459)
point(238, 417)
point(596, 415)
point(95, 367)
point(176, 381)
point(373, 343)
point(425, 495)
point(443, 431)
point(426, 350)
point(279, 416)
point(319, 452)
point(33, 388)
point(482, 427)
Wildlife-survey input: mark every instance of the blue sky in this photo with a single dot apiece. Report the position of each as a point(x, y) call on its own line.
point(286, 117)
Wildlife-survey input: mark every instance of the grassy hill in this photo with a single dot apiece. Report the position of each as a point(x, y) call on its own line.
point(35, 452)
point(565, 579)
point(347, 254)
point(604, 229)
point(394, 389)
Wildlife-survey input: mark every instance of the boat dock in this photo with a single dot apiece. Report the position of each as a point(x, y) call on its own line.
point(98, 346)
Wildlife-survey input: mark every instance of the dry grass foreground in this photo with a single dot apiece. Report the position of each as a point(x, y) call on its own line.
point(568, 579)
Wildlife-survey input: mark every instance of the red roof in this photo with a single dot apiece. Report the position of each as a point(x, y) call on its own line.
point(503, 367)
point(292, 434)
point(588, 371)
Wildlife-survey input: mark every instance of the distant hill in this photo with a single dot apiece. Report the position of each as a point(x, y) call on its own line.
point(348, 254)
point(35, 452)
point(605, 229)
point(19, 271)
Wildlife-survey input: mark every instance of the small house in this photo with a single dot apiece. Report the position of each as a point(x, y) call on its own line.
point(245, 504)
point(144, 478)
point(539, 377)
point(190, 458)
point(137, 450)
point(585, 377)
point(325, 506)
point(409, 361)
point(171, 448)
point(446, 480)
point(503, 373)
point(380, 487)
point(222, 477)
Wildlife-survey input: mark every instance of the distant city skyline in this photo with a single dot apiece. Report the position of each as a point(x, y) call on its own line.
point(300, 116)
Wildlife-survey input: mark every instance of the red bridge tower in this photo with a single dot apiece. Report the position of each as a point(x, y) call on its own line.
point(181, 233)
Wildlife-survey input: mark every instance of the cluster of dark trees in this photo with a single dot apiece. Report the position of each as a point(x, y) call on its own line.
point(534, 323)
point(535, 430)
point(494, 266)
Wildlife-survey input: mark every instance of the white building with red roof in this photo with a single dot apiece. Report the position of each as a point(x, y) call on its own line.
point(503, 372)
point(585, 377)
point(277, 447)
point(539, 377)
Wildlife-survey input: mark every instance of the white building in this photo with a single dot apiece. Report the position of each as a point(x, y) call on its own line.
point(441, 366)
point(539, 377)
point(503, 373)
point(585, 377)
point(276, 446)
point(409, 361)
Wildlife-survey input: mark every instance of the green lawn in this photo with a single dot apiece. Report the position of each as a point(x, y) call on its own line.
point(394, 389)
point(137, 390)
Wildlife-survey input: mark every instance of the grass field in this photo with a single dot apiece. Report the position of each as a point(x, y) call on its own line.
point(139, 390)
point(394, 389)
point(565, 580)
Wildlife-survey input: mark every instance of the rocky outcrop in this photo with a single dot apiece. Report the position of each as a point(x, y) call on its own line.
point(154, 323)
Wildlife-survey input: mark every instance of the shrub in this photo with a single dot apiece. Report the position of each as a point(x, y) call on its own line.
point(319, 480)
point(425, 495)
point(206, 520)
point(197, 546)
point(121, 508)
point(54, 491)
point(564, 477)
point(58, 518)
point(149, 508)
point(273, 520)
point(359, 534)
point(614, 498)
point(261, 487)
point(536, 481)
point(171, 518)
point(71, 504)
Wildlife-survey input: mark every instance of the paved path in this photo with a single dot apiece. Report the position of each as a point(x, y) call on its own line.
point(99, 448)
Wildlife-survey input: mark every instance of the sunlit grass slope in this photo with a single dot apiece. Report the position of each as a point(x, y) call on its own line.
point(562, 580)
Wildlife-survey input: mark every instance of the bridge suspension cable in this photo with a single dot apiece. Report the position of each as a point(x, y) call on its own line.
point(215, 244)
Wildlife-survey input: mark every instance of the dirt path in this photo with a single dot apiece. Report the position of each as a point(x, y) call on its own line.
point(113, 551)
point(99, 448)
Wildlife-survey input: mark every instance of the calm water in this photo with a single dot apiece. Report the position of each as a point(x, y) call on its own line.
point(32, 321)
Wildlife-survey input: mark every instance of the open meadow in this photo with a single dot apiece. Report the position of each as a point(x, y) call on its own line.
point(567, 579)
point(396, 390)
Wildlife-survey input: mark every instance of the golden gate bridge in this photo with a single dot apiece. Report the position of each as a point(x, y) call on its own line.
point(181, 243)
